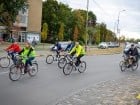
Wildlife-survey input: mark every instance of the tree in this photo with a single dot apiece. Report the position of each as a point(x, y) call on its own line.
point(61, 32)
point(9, 10)
point(78, 24)
point(75, 35)
point(96, 36)
point(65, 16)
point(55, 13)
point(49, 16)
point(110, 36)
point(103, 31)
point(44, 32)
point(80, 21)
point(91, 32)
point(122, 39)
point(91, 19)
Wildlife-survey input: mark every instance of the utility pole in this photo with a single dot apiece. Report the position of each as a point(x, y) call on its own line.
point(118, 30)
point(86, 25)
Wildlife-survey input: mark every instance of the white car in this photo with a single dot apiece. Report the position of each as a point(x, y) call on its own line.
point(103, 45)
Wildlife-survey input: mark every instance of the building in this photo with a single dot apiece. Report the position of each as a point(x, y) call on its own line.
point(32, 21)
point(28, 23)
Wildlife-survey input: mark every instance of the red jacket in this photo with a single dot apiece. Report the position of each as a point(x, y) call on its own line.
point(14, 48)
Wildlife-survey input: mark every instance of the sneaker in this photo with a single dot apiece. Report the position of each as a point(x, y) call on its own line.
point(22, 73)
point(25, 71)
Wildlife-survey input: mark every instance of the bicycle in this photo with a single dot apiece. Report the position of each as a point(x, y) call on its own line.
point(63, 60)
point(5, 61)
point(128, 62)
point(53, 57)
point(16, 70)
point(67, 69)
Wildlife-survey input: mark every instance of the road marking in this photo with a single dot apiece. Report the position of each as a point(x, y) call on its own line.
point(3, 72)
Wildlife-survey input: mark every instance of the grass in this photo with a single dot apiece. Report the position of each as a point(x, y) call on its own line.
point(96, 51)
point(90, 51)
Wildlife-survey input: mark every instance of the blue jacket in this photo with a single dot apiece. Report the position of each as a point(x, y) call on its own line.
point(69, 47)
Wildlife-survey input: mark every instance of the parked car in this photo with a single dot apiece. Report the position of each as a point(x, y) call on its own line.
point(103, 45)
point(113, 44)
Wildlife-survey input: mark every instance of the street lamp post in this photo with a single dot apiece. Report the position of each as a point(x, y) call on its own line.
point(118, 30)
point(86, 25)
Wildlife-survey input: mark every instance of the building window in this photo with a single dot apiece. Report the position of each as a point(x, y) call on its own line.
point(23, 19)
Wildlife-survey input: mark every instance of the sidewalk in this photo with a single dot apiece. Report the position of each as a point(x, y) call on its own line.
point(119, 92)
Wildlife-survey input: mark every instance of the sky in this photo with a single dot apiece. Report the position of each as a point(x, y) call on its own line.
point(107, 11)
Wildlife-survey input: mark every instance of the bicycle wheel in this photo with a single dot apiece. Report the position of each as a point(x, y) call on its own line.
point(33, 70)
point(62, 62)
point(60, 57)
point(67, 69)
point(122, 66)
point(4, 62)
point(82, 67)
point(15, 73)
point(134, 66)
point(49, 59)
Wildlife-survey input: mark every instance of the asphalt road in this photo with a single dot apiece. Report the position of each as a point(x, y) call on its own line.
point(50, 85)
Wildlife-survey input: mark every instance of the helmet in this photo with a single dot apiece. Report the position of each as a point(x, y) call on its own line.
point(76, 43)
point(132, 45)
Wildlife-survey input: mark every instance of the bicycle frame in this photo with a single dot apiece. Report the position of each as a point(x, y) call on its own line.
point(128, 59)
point(19, 69)
point(128, 62)
point(21, 65)
point(73, 61)
point(10, 56)
point(68, 57)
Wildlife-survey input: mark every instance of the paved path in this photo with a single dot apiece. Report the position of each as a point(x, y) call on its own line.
point(51, 85)
point(116, 92)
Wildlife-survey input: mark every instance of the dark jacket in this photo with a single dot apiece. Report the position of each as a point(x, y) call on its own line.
point(133, 52)
point(69, 46)
point(58, 45)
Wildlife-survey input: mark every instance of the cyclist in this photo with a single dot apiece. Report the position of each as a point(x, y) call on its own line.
point(13, 49)
point(28, 54)
point(70, 46)
point(58, 48)
point(78, 51)
point(133, 52)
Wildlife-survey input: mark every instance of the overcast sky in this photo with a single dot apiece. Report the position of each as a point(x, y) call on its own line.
point(107, 11)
